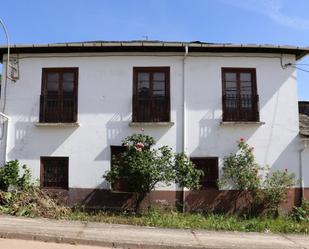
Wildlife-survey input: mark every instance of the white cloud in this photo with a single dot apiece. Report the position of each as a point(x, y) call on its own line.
point(273, 10)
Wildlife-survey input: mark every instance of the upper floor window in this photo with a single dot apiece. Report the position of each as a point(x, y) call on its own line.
point(58, 101)
point(240, 98)
point(151, 94)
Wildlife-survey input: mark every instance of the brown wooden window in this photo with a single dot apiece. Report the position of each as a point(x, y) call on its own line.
point(54, 172)
point(151, 94)
point(209, 165)
point(115, 153)
point(58, 102)
point(240, 99)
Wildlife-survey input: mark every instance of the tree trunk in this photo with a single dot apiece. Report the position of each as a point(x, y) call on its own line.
point(138, 201)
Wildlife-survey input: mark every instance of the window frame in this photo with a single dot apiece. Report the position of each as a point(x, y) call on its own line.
point(254, 93)
point(43, 160)
point(151, 70)
point(60, 94)
point(205, 185)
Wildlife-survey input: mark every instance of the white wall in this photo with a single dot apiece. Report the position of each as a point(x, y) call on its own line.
point(104, 112)
point(305, 165)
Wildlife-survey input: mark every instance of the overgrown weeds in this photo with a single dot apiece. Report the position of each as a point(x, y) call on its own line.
point(301, 213)
point(21, 197)
point(31, 203)
point(172, 219)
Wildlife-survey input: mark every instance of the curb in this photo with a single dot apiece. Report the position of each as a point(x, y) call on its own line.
point(78, 241)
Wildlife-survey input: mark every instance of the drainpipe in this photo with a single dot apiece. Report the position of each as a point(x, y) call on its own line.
point(2, 113)
point(305, 145)
point(184, 135)
point(3, 138)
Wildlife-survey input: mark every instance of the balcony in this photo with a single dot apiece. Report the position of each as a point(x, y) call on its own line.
point(56, 108)
point(240, 108)
point(151, 110)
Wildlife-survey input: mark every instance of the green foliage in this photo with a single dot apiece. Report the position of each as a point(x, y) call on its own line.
point(240, 169)
point(301, 214)
point(274, 190)
point(10, 177)
point(242, 172)
point(186, 175)
point(172, 219)
point(24, 182)
point(140, 167)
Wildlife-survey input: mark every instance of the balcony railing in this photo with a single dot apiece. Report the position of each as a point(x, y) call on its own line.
point(56, 108)
point(241, 108)
point(151, 110)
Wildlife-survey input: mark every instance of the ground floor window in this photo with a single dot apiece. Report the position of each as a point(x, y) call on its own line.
point(209, 165)
point(54, 172)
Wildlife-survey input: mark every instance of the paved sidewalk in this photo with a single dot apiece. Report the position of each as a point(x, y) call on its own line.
point(28, 244)
point(124, 236)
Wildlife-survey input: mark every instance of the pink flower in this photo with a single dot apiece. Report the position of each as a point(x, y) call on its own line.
point(242, 139)
point(138, 149)
point(142, 130)
point(140, 145)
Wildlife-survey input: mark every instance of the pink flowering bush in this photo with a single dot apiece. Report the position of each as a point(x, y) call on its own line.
point(140, 167)
point(241, 172)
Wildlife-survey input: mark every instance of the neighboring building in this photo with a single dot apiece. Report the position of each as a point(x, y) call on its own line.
point(70, 105)
point(304, 135)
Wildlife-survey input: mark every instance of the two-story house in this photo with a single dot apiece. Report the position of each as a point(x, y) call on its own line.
point(70, 105)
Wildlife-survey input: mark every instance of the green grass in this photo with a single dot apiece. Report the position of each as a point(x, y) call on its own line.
point(282, 224)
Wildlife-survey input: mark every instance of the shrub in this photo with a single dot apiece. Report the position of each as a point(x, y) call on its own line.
point(240, 169)
point(241, 172)
point(274, 190)
point(10, 177)
point(301, 213)
point(140, 167)
point(186, 174)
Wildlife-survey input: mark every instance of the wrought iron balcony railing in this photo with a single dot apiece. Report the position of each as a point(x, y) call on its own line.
point(151, 110)
point(56, 108)
point(241, 108)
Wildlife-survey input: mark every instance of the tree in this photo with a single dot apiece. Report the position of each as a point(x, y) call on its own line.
point(140, 167)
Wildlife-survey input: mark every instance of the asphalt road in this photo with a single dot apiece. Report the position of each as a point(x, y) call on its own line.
point(26, 244)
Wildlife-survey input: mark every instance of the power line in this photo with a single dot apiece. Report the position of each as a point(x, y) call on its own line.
point(301, 69)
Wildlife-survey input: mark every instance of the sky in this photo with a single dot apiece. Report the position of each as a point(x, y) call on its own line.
point(279, 22)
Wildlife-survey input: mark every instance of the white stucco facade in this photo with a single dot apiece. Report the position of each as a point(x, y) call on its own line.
point(105, 109)
point(305, 165)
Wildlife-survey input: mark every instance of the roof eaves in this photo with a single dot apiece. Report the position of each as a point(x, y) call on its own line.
point(143, 45)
